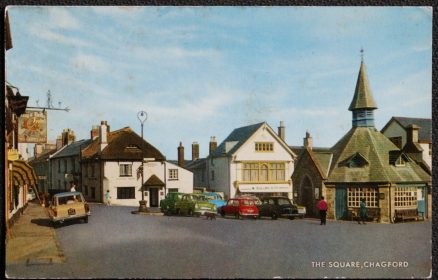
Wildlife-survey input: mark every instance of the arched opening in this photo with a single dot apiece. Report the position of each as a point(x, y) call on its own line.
point(307, 197)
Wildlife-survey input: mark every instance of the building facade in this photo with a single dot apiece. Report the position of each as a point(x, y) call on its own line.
point(252, 160)
point(363, 164)
point(411, 134)
point(113, 162)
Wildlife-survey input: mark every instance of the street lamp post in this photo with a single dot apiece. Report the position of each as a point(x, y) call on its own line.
point(142, 117)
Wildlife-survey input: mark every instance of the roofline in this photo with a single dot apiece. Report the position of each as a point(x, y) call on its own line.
point(281, 141)
point(395, 118)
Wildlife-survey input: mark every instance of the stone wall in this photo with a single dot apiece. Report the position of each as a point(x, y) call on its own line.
point(330, 196)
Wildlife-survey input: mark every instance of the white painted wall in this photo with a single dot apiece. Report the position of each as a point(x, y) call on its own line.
point(112, 180)
point(228, 170)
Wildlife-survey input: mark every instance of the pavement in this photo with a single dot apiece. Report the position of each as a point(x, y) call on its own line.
point(32, 239)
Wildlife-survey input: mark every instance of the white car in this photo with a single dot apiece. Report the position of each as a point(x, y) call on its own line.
point(30, 194)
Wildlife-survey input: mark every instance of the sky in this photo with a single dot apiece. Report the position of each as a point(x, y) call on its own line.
point(204, 71)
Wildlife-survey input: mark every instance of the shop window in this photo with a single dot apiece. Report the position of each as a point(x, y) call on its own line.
point(125, 192)
point(356, 194)
point(405, 197)
point(263, 172)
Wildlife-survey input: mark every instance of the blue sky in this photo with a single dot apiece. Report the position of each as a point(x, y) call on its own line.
point(203, 71)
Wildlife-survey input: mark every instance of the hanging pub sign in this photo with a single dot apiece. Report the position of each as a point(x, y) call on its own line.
point(32, 127)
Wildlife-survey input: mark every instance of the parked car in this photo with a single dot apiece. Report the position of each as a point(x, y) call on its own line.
point(276, 207)
point(240, 207)
point(167, 204)
point(194, 204)
point(68, 206)
point(251, 196)
point(216, 199)
point(301, 209)
point(30, 194)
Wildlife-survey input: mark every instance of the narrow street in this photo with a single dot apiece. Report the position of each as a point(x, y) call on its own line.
point(118, 244)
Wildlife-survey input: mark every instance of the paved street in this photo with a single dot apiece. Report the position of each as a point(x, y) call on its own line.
point(118, 244)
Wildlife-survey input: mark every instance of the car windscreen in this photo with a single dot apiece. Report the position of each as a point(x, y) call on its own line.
point(200, 198)
point(283, 201)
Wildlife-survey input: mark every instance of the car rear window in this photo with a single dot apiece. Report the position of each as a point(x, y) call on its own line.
point(248, 202)
point(283, 201)
point(69, 199)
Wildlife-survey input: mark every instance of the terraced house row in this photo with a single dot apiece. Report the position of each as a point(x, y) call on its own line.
point(390, 168)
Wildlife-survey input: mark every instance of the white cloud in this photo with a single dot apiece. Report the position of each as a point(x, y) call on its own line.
point(57, 37)
point(62, 18)
point(89, 62)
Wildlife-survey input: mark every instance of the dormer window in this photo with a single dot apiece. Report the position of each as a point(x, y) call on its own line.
point(132, 148)
point(398, 158)
point(355, 161)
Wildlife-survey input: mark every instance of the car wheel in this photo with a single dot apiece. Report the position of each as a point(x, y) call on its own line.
point(238, 216)
point(222, 213)
point(190, 212)
point(178, 211)
point(86, 220)
point(302, 217)
point(291, 218)
point(274, 216)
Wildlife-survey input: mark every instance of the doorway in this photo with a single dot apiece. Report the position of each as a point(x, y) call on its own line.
point(307, 196)
point(153, 197)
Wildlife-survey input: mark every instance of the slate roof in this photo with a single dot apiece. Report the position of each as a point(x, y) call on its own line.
point(375, 148)
point(363, 98)
point(424, 126)
point(322, 157)
point(43, 157)
point(239, 135)
point(72, 149)
point(120, 143)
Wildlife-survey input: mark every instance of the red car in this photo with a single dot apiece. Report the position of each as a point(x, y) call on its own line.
point(240, 207)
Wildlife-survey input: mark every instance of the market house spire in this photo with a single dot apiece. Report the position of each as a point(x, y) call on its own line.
point(363, 104)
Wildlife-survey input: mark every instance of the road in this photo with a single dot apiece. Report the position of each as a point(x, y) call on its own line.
point(118, 244)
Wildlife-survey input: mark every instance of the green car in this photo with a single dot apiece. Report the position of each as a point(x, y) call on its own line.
point(194, 204)
point(167, 204)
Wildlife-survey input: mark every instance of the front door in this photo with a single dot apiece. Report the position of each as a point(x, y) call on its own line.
point(341, 203)
point(421, 195)
point(153, 197)
point(307, 198)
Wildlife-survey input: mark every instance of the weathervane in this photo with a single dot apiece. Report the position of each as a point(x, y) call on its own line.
point(50, 104)
point(361, 54)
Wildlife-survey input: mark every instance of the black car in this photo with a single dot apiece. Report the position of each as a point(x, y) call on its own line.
point(277, 206)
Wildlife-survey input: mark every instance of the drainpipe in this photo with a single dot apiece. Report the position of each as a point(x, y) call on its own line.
point(390, 203)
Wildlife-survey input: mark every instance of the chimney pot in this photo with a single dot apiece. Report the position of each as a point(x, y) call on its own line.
point(213, 144)
point(181, 155)
point(195, 151)
point(282, 131)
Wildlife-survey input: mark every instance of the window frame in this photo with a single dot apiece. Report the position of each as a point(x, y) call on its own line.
point(125, 193)
point(125, 170)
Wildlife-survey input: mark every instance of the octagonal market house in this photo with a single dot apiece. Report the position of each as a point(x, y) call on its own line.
point(364, 163)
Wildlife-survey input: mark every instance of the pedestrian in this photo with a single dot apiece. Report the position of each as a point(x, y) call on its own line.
point(107, 198)
point(73, 187)
point(362, 211)
point(322, 206)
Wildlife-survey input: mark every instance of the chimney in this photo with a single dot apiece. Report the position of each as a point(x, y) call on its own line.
point(94, 133)
point(308, 142)
point(58, 142)
point(412, 133)
point(281, 130)
point(181, 155)
point(103, 135)
point(195, 151)
point(213, 144)
point(68, 136)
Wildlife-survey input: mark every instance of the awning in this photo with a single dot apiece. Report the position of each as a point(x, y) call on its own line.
point(23, 173)
point(153, 181)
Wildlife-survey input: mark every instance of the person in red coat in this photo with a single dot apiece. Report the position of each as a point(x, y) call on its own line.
point(322, 206)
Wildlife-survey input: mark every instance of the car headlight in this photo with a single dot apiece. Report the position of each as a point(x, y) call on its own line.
point(214, 207)
point(196, 206)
